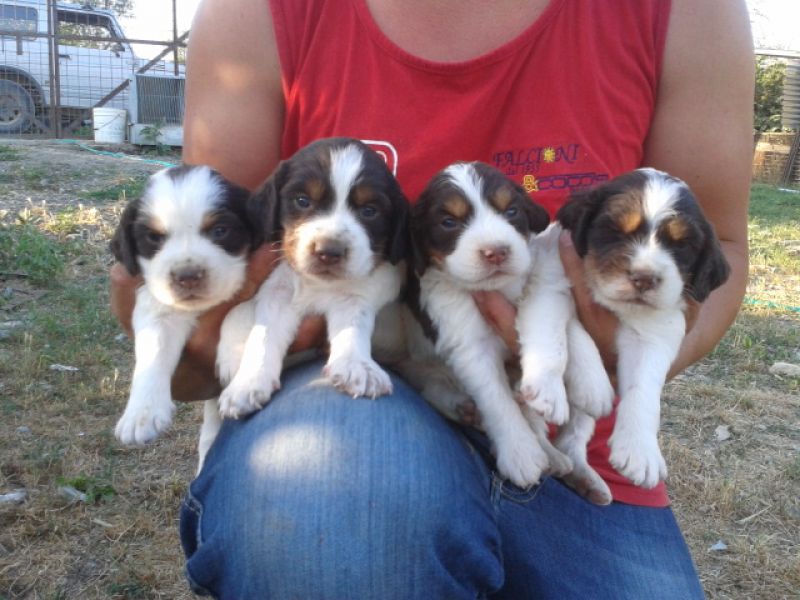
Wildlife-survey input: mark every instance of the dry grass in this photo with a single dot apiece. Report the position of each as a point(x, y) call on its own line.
point(56, 427)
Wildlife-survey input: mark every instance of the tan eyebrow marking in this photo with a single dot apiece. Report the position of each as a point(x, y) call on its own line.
point(628, 221)
point(456, 206)
point(363, 194)
point(501, 198)
point(155, 224)
point(676, 229)
point(315, 189)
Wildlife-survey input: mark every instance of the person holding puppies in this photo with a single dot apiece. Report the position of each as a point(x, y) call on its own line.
point(319, 495)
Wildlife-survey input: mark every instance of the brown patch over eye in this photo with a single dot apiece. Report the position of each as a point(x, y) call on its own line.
point(628, 221)
point(456, 206)
point(676, 229)
point(209, 221)
point(315, 190)
point(156, 226)
point(363, 194)
point(501, 198)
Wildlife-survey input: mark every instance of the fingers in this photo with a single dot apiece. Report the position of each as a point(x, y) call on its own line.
point(261, 263)
point(600, 323)
point(501, 315)
point(691, 312)
point(123, 294)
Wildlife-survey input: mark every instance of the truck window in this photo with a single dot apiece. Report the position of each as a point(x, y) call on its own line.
point(17, 19)
point(89, 25)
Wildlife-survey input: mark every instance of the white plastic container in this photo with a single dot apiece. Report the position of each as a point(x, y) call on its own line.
point(109, 125)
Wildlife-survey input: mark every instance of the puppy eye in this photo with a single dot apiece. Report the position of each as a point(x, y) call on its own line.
point(219, 231)
point(511, 212)
point(449, 223)
point(302, 202)
point(368, 211)
point(155, 237)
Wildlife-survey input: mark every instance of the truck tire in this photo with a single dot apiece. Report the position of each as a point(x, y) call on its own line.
point(16, 108)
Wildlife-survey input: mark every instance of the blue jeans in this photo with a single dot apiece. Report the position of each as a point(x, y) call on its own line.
point(322, 496)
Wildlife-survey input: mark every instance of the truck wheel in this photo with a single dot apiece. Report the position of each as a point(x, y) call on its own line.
point(16, 108)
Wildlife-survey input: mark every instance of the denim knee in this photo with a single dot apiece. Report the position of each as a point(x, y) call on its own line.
point(320, 495)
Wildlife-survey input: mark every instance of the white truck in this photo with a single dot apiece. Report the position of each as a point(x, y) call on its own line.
point(89, 70)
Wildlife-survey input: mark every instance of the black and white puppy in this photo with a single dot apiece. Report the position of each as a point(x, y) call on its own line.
point(471, 230)
point(342, 221)
point(189, 236)
point(647, 248)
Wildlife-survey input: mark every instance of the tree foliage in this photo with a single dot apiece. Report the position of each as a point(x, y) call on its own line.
point(770, 73)
point(121, 7)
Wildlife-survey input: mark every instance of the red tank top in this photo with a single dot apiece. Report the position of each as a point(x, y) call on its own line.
point(563, 106)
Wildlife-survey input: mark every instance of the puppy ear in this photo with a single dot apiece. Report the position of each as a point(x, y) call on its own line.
point(238, 199)
point(538, 219)
point(264, 206)
point(123, 243)
point(711, 269)
point(577, 215)
point(417, 235)
point(399, 240)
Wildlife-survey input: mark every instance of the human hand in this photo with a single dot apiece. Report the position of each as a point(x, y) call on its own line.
point(501, 315)
point(599, 322)
point(194, 377)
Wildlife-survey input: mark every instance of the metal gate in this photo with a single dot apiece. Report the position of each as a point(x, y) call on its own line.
point(58, 61)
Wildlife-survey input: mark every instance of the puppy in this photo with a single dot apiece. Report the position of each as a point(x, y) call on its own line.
point(647, 248)
point(342, 221)
point(563, 377)
point(471, 230)
point(189, 236)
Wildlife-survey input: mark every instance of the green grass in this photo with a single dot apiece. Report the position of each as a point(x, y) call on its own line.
point(767, 329)
point(95, 488)
point(774, 230)
point(130, 187)
point(25, 250)
point(9, 153)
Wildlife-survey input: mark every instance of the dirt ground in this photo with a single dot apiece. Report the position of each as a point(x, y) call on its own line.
point(731, 430)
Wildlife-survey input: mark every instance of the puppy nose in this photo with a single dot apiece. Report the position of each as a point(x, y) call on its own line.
point(644, 280)
point(495, 255)
point(329, 252)
point(188, 278)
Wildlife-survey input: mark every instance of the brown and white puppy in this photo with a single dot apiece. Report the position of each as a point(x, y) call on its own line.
point(189, 236)
point(470, 231)
point(342, 220)
point(647, 249)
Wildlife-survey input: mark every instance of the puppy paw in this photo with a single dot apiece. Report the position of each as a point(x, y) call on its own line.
point(592, 394)
point(638, 458)
point(559, 464)
point(585, 480)
point(452, 403)
point(521, 459)
point(246, 395)
point(142, 422)
point(356, 377)
point(545, 393)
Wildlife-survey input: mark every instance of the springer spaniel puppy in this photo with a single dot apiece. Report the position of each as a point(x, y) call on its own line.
point(189, 236)
point(471, 231)
point(563, 377)
point(647, 248)
point(342, 221)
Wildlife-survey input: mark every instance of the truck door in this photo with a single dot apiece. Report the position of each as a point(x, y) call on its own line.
point(90, 69)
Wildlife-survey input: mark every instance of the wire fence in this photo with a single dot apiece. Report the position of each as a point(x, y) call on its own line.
point(66, 66)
